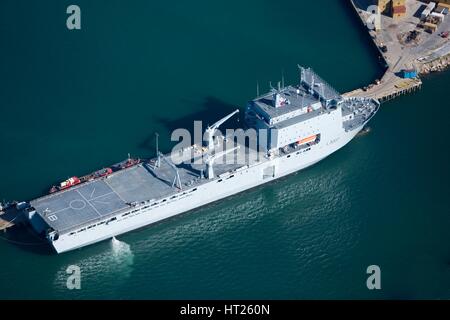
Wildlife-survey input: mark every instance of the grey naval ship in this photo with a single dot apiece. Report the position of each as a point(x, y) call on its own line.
point(295, 127)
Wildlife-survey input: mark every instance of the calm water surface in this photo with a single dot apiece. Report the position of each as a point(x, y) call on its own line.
point(75, 101)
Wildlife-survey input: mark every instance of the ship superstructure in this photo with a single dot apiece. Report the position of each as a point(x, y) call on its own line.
point(296, 126)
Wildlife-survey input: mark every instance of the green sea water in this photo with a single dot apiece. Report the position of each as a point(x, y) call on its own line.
point(74, 101)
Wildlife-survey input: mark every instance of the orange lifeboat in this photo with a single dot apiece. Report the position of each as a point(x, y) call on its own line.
point(308, 139)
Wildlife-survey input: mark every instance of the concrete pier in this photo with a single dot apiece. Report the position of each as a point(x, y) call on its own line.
point(388, 89)
point(5, 224)
point(427, 53)
point(9, 219)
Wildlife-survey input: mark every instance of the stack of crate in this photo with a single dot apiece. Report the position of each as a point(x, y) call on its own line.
point(394, 8)
point(398, 9)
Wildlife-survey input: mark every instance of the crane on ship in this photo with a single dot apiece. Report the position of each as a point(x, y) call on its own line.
point(212, 129)
point(176, 180)
point(211, 158)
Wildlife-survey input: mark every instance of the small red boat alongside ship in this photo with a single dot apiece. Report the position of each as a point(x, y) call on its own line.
point(66, 184)
point(127, 163)
point(73, 181)
point(103, 173)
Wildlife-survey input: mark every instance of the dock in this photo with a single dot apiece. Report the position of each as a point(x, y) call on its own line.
point(389, 88)
point(8, 219)
point(427, 53)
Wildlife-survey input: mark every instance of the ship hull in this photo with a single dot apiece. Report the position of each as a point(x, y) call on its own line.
point(207, 193)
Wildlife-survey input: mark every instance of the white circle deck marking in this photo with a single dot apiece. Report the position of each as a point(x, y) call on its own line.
point(77, 204)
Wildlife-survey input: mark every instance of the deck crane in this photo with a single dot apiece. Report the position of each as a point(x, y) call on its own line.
point(176, 179)
point(210, 161)
point(212, 129)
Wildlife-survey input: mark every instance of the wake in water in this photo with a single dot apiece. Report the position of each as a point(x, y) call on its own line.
point(364, 131)
point(122, 252)
point(112, 267)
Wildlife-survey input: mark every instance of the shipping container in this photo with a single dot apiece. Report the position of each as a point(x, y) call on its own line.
point(409, 73)
point(427, 11)
point(431, 27)
point(438, 16)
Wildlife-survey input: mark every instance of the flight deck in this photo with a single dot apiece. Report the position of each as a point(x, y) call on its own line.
point(96, 200)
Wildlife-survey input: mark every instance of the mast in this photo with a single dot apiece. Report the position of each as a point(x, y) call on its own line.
point(158, 161)
point(176, 179)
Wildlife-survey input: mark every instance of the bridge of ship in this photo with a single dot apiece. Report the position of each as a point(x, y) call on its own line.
point(363, 109)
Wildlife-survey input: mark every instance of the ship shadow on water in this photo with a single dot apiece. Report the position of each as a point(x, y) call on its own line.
point(212, 109)
point(26, 239)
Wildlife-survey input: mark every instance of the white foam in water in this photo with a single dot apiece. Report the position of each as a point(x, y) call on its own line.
point(122, 252)
point(112, 269)
point(116, 243)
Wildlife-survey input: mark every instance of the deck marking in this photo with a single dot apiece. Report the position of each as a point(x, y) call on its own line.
point(114, 191)
point(103, 195)
point(90, 221)
point(88, 203)
point(101, 202)
point(71, 204)
point(92, 193)
point(58, 211)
